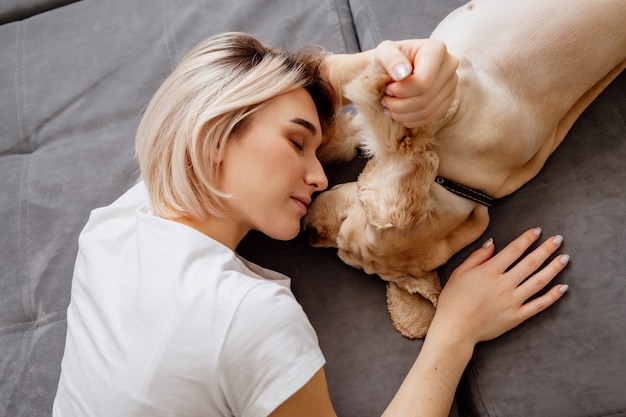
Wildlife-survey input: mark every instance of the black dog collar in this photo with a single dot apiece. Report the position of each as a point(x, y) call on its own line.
point(467, 192)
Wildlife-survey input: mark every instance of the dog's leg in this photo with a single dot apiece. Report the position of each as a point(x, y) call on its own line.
point(382, 135)
point(394, 186)
point(370, 127)
point(572, 115)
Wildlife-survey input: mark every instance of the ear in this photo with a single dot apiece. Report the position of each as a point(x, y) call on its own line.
point(395, 190)
point(411, 314)
point(426, 285)
point(411, 302)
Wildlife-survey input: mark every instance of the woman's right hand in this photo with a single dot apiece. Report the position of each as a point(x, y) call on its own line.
point(488, 295)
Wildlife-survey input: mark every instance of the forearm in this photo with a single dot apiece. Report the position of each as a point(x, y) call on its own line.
point(430, 385)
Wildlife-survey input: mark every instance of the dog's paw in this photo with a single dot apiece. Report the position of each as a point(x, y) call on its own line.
point(368, 87)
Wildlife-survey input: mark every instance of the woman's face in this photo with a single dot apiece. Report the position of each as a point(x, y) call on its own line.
point(272, 170)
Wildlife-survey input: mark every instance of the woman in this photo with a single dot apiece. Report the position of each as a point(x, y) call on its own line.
point(166, 320)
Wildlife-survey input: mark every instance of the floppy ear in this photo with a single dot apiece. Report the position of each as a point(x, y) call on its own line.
point(411, 303)
point(395, 190)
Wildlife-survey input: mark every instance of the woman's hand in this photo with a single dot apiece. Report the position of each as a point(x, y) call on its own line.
point(488, 295)
point(425, 79)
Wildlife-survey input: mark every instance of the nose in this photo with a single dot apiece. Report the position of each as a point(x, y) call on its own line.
point(315, 175)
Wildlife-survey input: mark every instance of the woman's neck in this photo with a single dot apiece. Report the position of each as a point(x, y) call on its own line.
point(221, 229)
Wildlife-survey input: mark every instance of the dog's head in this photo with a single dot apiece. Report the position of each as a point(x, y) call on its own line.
point(367, 219)
point(390, 223)
point(382, 224)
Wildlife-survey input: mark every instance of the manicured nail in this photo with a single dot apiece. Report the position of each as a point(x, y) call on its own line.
point(564, 288)
point(564, 259)
point(557, 240)
point(537, 231)
point(401, 71)
point(488, 243)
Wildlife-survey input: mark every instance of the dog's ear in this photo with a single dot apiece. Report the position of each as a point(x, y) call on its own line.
point(395, 190)
point(411, 302)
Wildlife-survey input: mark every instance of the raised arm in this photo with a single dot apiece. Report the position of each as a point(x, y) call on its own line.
point(423, 71)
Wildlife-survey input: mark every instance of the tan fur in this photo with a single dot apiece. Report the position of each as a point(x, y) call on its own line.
point(528, 68)
point(345, 140)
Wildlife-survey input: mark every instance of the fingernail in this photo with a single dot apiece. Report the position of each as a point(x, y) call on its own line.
point(400, 71)
point(388, 93)
point(564, 259)
point(557, 240)
point(488, 243)
point(382, 103)
point(386, 112)
point(564, 288)
point(537, 231)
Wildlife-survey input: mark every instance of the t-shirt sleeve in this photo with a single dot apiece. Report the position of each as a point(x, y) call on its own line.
point(270, 352)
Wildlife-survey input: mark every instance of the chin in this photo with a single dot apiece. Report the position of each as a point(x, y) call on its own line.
point(286, 233)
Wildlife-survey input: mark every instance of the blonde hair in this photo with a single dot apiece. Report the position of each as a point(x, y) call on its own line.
point(208, 99)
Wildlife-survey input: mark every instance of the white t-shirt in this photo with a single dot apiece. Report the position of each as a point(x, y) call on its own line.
point(165, 321)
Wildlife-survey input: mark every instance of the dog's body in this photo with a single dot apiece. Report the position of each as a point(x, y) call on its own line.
point(528, 68)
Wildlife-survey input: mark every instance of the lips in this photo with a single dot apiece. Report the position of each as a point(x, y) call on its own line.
point(302, 203)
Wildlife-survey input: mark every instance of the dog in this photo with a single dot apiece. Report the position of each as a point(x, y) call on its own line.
point(528, 69)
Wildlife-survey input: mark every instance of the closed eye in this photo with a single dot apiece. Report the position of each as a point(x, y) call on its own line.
point(297, 144)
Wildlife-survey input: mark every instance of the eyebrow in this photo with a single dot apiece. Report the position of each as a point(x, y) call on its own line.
point(306, 124)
